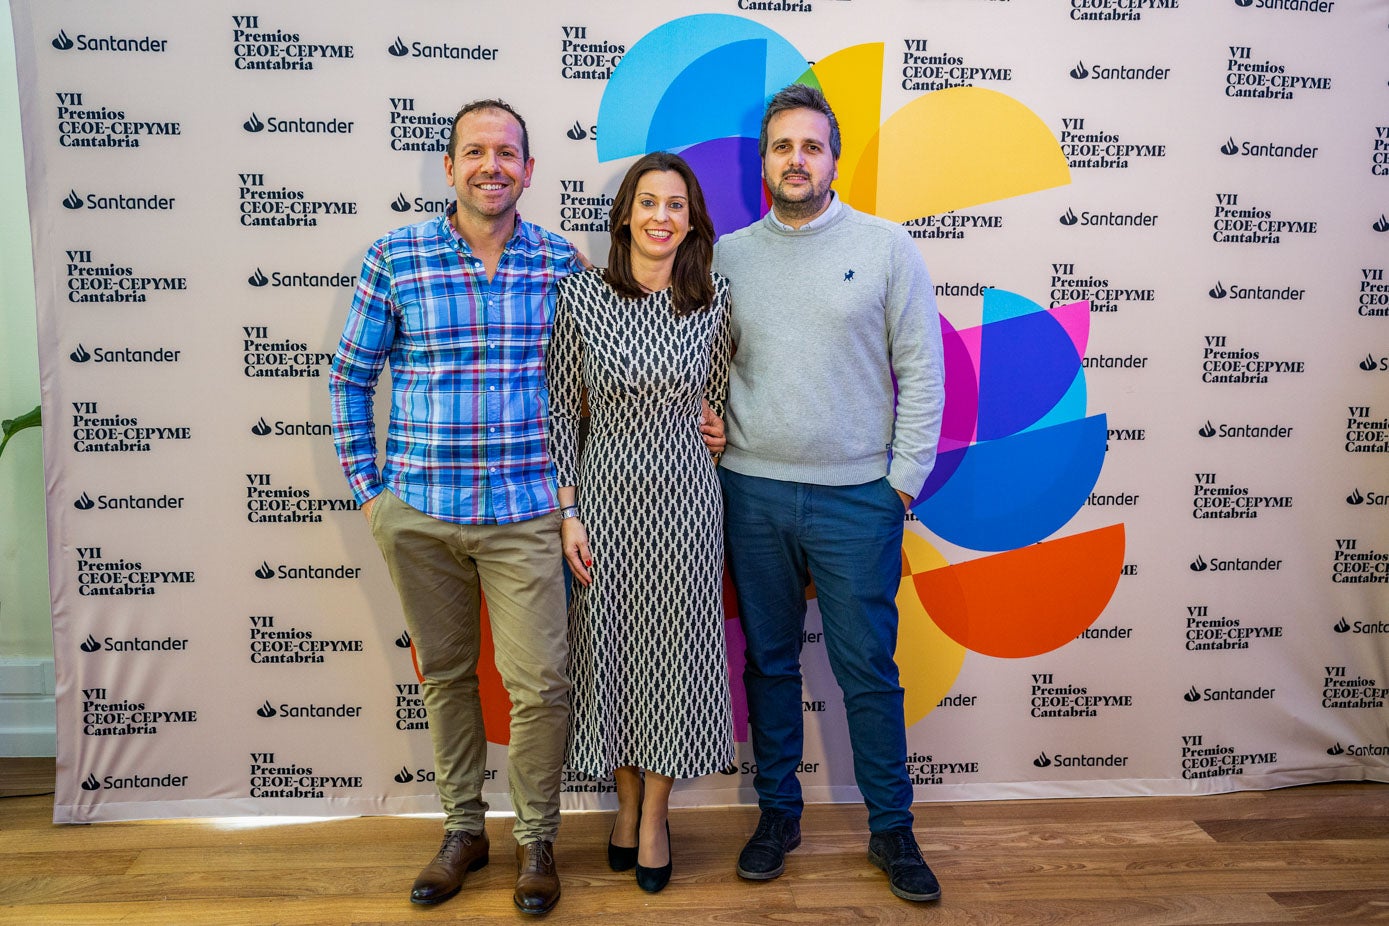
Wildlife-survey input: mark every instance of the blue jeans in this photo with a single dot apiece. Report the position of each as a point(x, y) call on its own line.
point(849, 539)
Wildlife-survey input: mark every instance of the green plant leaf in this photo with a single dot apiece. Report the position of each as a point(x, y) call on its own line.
point(12, 426)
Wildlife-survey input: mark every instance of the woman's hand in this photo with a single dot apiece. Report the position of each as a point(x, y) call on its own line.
point(574, 537)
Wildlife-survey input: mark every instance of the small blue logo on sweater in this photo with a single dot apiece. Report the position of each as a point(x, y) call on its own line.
point(848, 276)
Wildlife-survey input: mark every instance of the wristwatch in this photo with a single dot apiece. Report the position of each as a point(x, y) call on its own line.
point(570, 511)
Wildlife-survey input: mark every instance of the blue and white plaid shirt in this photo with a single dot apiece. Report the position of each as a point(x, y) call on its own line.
point(469, 407)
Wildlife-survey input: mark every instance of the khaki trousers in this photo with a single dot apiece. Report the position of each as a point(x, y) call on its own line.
point(440, 569)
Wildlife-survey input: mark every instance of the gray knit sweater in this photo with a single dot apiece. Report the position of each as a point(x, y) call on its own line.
point(823, 319)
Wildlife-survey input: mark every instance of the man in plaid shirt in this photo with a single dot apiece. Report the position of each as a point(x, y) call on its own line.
point(465, 503)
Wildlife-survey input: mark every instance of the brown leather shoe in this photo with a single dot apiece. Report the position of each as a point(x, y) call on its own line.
point(461, 853)
point(537, 882)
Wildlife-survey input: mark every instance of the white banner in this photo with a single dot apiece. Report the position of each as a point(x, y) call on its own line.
point(1154, 557)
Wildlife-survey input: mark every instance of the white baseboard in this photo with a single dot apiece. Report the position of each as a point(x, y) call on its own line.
point(28, 722)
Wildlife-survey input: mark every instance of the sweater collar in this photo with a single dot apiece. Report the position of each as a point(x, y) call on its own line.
point(829, 215)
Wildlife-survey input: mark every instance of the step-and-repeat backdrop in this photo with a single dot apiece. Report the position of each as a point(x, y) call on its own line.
point(1153, 558)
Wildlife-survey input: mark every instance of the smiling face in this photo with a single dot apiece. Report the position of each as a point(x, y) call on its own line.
point(660, 217)
point(799, 165)
point(488, 168)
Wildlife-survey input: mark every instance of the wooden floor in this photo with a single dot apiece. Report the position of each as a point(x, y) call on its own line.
point(1315, 854)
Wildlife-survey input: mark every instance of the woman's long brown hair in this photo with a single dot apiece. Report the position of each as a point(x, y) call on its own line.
point(691, 289)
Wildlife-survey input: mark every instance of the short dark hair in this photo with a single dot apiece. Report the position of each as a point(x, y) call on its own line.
point(799, 96)
point(691, 288)
point(476, 105)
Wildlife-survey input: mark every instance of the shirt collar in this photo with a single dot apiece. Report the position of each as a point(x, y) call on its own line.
point(823, 218)
point(450, 233)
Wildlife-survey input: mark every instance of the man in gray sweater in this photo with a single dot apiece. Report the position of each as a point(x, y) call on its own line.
point(830, 307)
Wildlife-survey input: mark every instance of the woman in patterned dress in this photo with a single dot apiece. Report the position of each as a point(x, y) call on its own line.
point(648, 338)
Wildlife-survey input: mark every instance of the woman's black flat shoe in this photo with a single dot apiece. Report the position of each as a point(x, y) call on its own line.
point(652, 880)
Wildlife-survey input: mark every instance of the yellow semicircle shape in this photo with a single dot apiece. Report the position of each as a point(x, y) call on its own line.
point(928, 661)
point(851, 80)
point(962, 147)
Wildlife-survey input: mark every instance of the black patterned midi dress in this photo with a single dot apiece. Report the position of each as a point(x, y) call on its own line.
point(647, 653)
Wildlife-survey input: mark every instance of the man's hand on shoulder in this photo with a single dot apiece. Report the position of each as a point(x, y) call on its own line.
point(711, 429)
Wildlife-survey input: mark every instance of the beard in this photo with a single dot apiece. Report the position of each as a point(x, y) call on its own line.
point(801, 203)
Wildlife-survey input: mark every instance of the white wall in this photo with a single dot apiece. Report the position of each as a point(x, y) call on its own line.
point(26, 621)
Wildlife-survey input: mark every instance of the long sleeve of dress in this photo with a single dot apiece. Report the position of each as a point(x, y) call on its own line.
point(564, 372)
point(716, 390)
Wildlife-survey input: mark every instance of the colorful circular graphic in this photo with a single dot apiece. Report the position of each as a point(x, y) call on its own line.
point(1018, 454)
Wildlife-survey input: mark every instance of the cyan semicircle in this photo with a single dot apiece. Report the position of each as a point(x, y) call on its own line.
point(640, 81)
point(689, 111)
